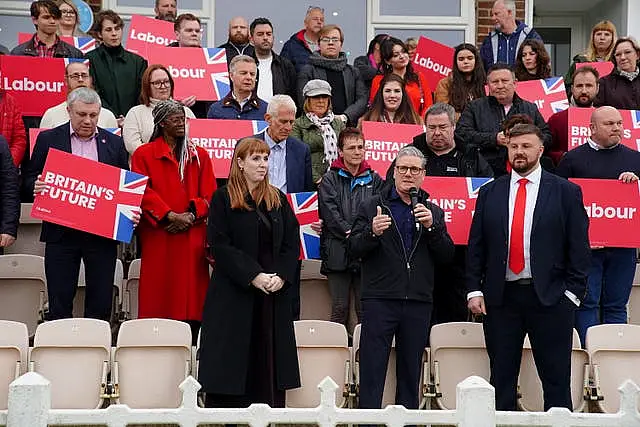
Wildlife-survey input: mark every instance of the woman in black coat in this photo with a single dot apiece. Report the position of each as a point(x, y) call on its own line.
point(248, 350)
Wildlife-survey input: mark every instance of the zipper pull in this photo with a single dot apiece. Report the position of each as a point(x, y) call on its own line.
point(408, 266)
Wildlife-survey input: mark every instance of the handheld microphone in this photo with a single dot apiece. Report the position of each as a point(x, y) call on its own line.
point(413, 195)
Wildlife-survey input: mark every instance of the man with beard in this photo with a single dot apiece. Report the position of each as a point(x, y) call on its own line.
point(304, 43)
point(238, 42)
point(584, 88)
point(276, 75)
point(527, 269)
point(612, 269)
point(166, 10)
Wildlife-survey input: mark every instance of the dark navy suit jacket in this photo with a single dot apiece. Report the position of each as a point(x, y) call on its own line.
point(298, 158)
point(560, 254)
point(111, 151)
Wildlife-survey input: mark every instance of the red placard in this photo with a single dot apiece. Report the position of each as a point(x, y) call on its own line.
point(34, 132)
point(219, 138)
point(145, 32)
point(578, 129)
point(89, 196)
point(604, 68)
point(383, 140)
point(457, 198)
point(613, 208)
point(85, 44)
point(196, 71)
point(36, 83)
point(433, 59)
point(548, 94)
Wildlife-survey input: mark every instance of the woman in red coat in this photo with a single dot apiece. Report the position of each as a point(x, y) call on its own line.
point(174, 274)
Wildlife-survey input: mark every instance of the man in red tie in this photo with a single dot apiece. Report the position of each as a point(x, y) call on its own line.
point(527, 269)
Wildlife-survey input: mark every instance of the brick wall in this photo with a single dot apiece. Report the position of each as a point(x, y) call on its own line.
point(483, 17)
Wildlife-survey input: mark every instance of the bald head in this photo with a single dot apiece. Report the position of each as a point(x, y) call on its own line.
point(239, 31)
point(77, 75)
point(606, 127)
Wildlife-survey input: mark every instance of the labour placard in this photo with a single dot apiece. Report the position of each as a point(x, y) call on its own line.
point(36, 83)
point(434, 60)
point(196, 71)
point(613, 208)
point(578, 127)
point(89, 196)
point(457, 198)
point(219, 138)
point(549, 95)
point(145, 32)
point(382, 141)
point(604, 68)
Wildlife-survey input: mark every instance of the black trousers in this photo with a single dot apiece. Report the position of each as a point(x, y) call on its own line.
point(381, 320)
point(550, 330)
point(62, 266)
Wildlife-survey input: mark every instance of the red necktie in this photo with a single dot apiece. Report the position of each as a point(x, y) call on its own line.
point(516, 243)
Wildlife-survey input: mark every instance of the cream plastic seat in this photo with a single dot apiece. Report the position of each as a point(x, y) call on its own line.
point(78, 301)
point(28, 239)
point(315, 298)
point(73, 354)
point(389, 393)
point(22, 289)
point(323, 350)
point(130, 291)
point(151, 359)
point(614, 352)
point(458, 351)
point(14, 345)
point(531, 386)
point(634, 304)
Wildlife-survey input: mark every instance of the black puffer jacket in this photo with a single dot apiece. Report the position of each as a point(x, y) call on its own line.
point(9, 192)
point(339, 197)
point(481, 122)
point(388, 271)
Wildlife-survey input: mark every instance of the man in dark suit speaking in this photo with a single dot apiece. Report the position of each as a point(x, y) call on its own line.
point(527, 269)
point(65, 247)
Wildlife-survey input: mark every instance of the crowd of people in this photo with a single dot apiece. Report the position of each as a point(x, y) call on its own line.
point(528, 267)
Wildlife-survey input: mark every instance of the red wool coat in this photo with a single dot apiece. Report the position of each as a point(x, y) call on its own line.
point(174, 274)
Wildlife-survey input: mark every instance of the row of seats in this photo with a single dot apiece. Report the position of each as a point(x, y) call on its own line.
point(153, 356)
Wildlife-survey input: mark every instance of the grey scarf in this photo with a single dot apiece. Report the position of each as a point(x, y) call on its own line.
point(337, 64)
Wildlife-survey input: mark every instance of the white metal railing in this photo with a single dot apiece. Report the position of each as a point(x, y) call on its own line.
point(30, 406)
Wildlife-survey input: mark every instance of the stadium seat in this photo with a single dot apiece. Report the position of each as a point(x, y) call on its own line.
point(22, 289)
point(73, 354)
point(636, 277)
point(28, 239)
point(389, 393)
point(315, 298)
point(14, 345)
point(323, 350)
point(130, 291)
point(634, 305)
point(151, 359)
point(531, 387)
point(614, 352)
point(78, 301)
point(458, 351)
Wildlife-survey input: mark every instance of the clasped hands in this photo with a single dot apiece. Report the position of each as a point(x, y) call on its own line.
point(179, 222)
point(268, 282)
point(382, 221)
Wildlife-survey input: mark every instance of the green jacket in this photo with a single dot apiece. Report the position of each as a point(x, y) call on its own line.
point(117, 77)
point(311, 135)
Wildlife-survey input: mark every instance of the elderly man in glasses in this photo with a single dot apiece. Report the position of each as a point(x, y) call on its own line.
point(76, 75)
point(400, 238)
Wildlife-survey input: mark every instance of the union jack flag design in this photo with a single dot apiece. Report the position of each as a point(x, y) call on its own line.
point(85, 44)
point(115, 131)
point(635, 118)
point(548, 94)
point(259, 126)
point(131, 188)
point(217, 60)
point(68, 61)
point(305, 208)
point(474, 184)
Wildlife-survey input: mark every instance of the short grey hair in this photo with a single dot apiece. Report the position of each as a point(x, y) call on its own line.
point(509, 5)
point(85, 95)
point(280, 102)
point(240, 58)
point(411, 151)
point(441, 108)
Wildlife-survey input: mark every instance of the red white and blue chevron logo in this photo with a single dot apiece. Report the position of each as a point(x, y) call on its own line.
point(474, 185)
point(217, 59)
point(85, 44)
point(305, 208)
point(259, 126)
point(131, 188)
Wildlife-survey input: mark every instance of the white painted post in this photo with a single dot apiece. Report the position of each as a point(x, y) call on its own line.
point(475, 403)
point(29, 401)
